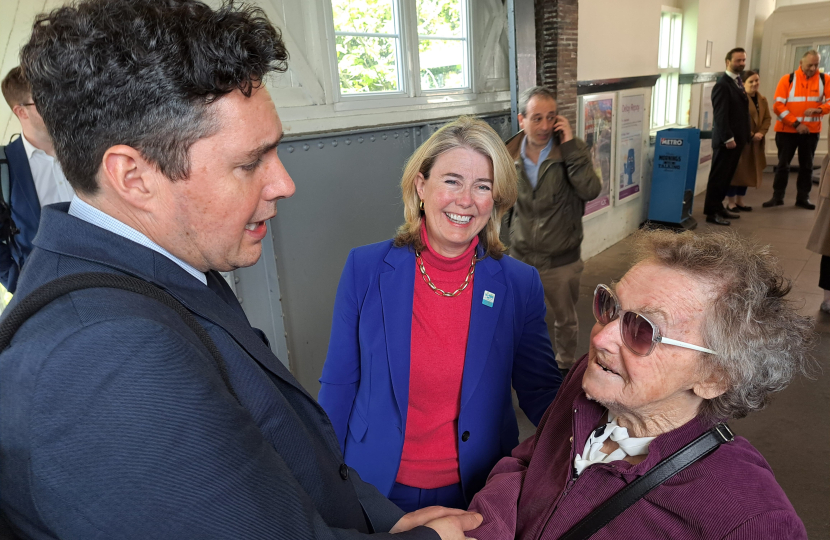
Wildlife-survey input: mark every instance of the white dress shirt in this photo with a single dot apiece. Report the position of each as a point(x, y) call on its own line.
point(50, 183)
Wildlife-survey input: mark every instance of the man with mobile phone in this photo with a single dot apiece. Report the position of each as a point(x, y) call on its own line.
point(544, 228)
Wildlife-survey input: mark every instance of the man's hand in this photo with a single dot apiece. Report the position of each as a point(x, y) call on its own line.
point(731, 144)
point(812, 112)
point(563, 127)
point(449, 523)
point(453, 527)
point(802, 129)
point(758, 136)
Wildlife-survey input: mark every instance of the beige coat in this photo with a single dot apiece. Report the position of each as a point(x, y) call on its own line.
point(820, 237)
point(753, 158)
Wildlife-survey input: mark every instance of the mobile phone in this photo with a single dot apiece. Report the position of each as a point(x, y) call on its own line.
point(557, 135)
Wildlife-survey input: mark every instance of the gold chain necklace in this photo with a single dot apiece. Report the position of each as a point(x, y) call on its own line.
point(441, 292)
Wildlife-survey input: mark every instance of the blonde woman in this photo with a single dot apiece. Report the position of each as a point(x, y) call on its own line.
point(430, 328)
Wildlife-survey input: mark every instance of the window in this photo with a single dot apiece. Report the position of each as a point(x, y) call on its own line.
point(664, 98)
point(372, 38)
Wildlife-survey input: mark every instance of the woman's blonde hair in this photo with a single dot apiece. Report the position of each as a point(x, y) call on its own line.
point(465, 132)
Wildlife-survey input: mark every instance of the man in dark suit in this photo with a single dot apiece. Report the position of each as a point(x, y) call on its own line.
point(35, 176)
point(117, 422)
point(729, 135)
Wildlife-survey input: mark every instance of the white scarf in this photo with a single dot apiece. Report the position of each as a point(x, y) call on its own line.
point(629, 446)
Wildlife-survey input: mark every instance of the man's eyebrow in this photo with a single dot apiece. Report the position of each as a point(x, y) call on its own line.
point(264, 148)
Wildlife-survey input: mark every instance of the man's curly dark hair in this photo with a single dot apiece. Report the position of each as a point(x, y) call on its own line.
point(142, 73)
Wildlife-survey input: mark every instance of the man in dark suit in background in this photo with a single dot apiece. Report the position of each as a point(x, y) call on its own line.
point(117, 421)
point(35, 176)
point(729, 135)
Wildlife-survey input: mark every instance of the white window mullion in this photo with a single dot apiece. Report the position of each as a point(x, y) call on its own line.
point(409, 19)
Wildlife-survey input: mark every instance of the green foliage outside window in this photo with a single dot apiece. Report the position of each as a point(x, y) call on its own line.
point(366, 64)
point(370, 63)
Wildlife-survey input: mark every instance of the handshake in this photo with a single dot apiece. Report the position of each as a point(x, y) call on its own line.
point(449, 523)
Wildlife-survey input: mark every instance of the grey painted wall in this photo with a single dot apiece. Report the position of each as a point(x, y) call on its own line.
point(348, 195)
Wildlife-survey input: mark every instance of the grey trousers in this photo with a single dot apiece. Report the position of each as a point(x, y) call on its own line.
point(561, 294)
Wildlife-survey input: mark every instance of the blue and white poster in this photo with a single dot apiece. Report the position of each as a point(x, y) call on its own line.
point(630, 154)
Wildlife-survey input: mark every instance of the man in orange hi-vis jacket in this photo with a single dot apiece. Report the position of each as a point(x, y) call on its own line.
point(801, 99)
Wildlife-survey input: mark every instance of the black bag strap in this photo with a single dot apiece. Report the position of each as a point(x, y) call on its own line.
point(636, 490)
point(53, 290)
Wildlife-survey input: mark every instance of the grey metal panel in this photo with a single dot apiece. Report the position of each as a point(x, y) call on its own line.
point(348, 195)
point(258, 290)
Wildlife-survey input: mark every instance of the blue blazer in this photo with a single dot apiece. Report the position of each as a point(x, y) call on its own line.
point(116, 423)
point(365, 382)
point(25, 213)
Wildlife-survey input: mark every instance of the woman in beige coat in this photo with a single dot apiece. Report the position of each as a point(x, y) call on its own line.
point(753, 159)
point(820, 237)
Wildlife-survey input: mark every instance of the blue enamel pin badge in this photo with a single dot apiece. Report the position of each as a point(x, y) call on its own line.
point(488, 299)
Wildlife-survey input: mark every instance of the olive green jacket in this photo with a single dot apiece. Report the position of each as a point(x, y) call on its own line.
point(544, 227)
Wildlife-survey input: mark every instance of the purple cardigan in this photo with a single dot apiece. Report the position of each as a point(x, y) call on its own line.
point(730, 494)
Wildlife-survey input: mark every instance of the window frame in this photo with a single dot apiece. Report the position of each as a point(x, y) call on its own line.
point(667, 87)
point(409, 69)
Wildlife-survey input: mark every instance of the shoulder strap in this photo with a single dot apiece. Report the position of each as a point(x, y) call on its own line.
point(792, 76)
point(53, 290)
point(4, 175)
point(636, 490)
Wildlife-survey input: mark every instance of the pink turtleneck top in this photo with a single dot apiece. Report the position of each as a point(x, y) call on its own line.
point(440, 326)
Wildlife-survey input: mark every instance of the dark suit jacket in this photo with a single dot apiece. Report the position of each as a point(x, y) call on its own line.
point(116, 423)
point(365, 382)
point(731, 115)
point(25, 213)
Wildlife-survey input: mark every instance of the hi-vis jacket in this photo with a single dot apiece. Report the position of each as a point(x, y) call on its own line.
point(795, 94)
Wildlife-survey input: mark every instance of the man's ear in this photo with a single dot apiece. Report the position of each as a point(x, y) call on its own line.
point(714, 385)
point(125, 172)
point(20, 112)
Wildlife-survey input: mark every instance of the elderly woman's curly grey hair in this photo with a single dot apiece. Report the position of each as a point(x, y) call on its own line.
point(761, 340)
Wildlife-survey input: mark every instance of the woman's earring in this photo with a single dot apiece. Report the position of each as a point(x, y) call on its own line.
point(421, 206)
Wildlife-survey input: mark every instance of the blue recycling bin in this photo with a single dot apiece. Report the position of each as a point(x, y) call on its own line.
point(676, 154)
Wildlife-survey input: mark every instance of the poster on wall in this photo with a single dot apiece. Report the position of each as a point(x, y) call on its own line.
point(596, 128)
point(707, 119)
point(630, 124)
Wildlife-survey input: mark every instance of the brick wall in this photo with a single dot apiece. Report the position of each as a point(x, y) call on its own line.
point(557, 23)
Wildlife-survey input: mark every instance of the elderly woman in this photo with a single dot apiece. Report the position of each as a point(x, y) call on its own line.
point(695, 333)
point(429, 329)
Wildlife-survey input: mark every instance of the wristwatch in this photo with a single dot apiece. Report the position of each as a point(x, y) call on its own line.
point(796, 124)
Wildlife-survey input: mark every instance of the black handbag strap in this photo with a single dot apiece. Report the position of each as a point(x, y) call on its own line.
point(636, 490)
point(53, 290)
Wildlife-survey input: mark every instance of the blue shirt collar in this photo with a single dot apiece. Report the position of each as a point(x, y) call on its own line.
point(86, 212)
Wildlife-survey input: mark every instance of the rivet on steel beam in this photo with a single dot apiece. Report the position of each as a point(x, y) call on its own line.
point(290, 149)
point(306, 147)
